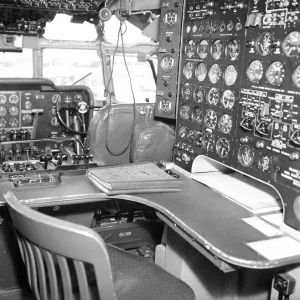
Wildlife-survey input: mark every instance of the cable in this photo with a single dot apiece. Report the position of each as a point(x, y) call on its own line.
point(64, 124)
point(134, 100)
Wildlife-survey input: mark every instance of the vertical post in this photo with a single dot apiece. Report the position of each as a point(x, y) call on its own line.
point(37, 55)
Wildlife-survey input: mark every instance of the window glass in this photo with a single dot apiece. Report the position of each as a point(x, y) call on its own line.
point(66, 66)
point(61, 28)
point(141, 76)
point(15, 64)
point(132, 34)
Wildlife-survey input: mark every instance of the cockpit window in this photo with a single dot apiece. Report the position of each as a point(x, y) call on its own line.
point(66, 66)
point(14, 65)
point(132, 34)
point(61, 28)
point(141, 76)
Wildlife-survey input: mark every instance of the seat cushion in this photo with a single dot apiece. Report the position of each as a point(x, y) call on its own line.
point(135, 278)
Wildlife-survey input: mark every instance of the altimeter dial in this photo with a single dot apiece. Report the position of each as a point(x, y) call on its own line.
point(291, 44)
point(211, 119)
point(228, 99)
point(255, 71)
point(223, 147)
point(275, 73)
point(230, 75)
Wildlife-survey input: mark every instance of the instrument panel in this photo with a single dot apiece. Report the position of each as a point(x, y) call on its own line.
point(42, 126)
point(238, 99)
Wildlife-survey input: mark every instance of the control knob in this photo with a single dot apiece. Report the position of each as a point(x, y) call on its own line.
point(186, 158)
point(294, 156)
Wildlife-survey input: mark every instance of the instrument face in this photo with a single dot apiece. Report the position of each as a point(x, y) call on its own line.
point(241, 61)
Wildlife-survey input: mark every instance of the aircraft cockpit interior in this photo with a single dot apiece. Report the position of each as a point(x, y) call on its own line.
point(149, 149)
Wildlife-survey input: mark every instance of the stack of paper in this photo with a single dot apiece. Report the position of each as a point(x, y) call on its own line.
point(251, 194)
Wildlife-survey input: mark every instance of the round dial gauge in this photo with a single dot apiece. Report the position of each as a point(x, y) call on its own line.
point(54, 122)
point(3, 123)
point(13, 122)
point(78, 98)
point(275, 73)
point(230, 75)
point(185, 112)
point(13, 111)
point(223, 147)
point(188, 29)
point(194, 28)
point(296, 77)
point(228, 99)
point(170, 18)
point(2, 99)
point(225, 124)
point(56, 98)
point(213, 96)
point(232, 50)
point(26, 119)
point(222, 27)
point(202, 49)
point(3, 111)
point(27, 104)
point(188, 70)
point(210, 119)
point(186, 91)
point(214, 73)
point(164, 105)
point(208, 141)
point(199, 94)
point(201, 27)
point(264, 44)
point(201, 72)
point(230, 26)
point(197, 115)
point(167, 63)
point(291, 44)
point(255, 71)
point(217, 49)
point(246, 156)
point(13, 99)
point(67, 99)
point(190, 48)
point(182, 132)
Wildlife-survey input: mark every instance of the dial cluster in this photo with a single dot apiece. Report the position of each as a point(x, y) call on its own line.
point(267, 144)
point(210, 72)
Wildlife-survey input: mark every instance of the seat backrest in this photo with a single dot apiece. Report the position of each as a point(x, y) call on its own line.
point(53, 250)
point(111, 131)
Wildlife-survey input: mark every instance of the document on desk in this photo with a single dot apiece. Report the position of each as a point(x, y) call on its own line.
point(262, 226)
point(247, 192)
point(277, 248)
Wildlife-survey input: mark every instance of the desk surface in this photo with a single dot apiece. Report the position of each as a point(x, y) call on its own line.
point(208, 218)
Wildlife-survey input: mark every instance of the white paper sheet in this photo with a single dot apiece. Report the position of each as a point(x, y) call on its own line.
point(262, 226)
point(275, 219)
point(249, 193)
point(277, 248)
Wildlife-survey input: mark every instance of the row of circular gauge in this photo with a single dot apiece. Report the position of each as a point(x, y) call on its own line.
point(203, 48)
point(10, 123)
point(275, 73)
point(12, 99)
point(214, 72)
point(227, 99)
point(213, 26)
point(207, 141)
point(67, 98)
point(210, 120)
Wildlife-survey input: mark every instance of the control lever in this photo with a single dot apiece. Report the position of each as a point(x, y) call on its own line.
point(45, 159)
point(76, 159)
point(36, 113)
point(60, 157)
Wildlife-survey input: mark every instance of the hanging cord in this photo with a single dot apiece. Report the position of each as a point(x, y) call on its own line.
point(121, 34)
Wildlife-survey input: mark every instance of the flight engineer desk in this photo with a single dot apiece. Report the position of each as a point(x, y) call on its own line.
point(204, 216)
point(211, 223)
